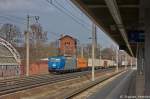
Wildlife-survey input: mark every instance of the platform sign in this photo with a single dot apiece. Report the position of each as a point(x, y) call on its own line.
point(136, 36)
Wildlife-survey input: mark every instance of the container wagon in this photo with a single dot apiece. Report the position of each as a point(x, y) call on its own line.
point(97, 63)
point(100, 64)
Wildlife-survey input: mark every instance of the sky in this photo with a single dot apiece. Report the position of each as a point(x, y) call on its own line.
point(60, 17)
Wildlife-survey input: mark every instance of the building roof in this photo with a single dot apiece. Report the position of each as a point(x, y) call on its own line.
point(68, 36)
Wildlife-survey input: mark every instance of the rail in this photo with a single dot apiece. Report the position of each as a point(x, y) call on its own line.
point(10, 86)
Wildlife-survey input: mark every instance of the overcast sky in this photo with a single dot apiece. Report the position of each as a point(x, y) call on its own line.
point(57, 20)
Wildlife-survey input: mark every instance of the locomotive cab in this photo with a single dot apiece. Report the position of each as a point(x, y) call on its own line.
point(56, 63)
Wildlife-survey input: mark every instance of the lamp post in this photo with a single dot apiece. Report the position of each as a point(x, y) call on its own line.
point(131, 62)
point(93, 50)
point(117, 59)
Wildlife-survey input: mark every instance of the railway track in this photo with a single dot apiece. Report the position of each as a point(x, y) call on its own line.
point(18, 84)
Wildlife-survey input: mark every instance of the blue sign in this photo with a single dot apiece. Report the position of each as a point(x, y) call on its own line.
point(136, 36)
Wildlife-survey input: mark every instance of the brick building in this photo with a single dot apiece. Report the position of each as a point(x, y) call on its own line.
point(67, 45)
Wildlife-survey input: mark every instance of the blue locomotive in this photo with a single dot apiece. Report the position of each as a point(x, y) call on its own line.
point(61, 64)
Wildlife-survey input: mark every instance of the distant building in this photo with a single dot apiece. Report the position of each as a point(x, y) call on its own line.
point(67, 45)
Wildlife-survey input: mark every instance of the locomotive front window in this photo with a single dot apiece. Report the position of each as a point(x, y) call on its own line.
point(54, 60)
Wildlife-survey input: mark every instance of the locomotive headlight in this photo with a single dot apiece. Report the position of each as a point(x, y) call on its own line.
point(54, 65)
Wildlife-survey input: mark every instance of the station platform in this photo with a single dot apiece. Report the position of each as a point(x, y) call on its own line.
point(139, 85)
point(129, 85)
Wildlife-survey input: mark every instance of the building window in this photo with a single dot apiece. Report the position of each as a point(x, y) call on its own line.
point(67, 43)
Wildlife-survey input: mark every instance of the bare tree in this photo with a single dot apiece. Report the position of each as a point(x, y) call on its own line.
point(88, 50)
point(108, 53)
point(11, 33)
point(38, 39)
point(38, 36)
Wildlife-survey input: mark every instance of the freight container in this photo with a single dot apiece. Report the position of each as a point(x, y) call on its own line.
point(70, 63)
point(105, 63)
point(124, 63)
point(101, 63)
point(82, 63)
point(96, 62)
point(111, 63)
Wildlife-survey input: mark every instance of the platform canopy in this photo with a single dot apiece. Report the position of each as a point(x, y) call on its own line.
point(120, 19)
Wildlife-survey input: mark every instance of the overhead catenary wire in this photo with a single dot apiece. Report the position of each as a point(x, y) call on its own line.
point(53, 33)
point(69, 15)
point(11, 19)
point(16, 17)
point(72, 5)
point(71, 12)
point(56, 35)
point(76, 17)
point(79, 11)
